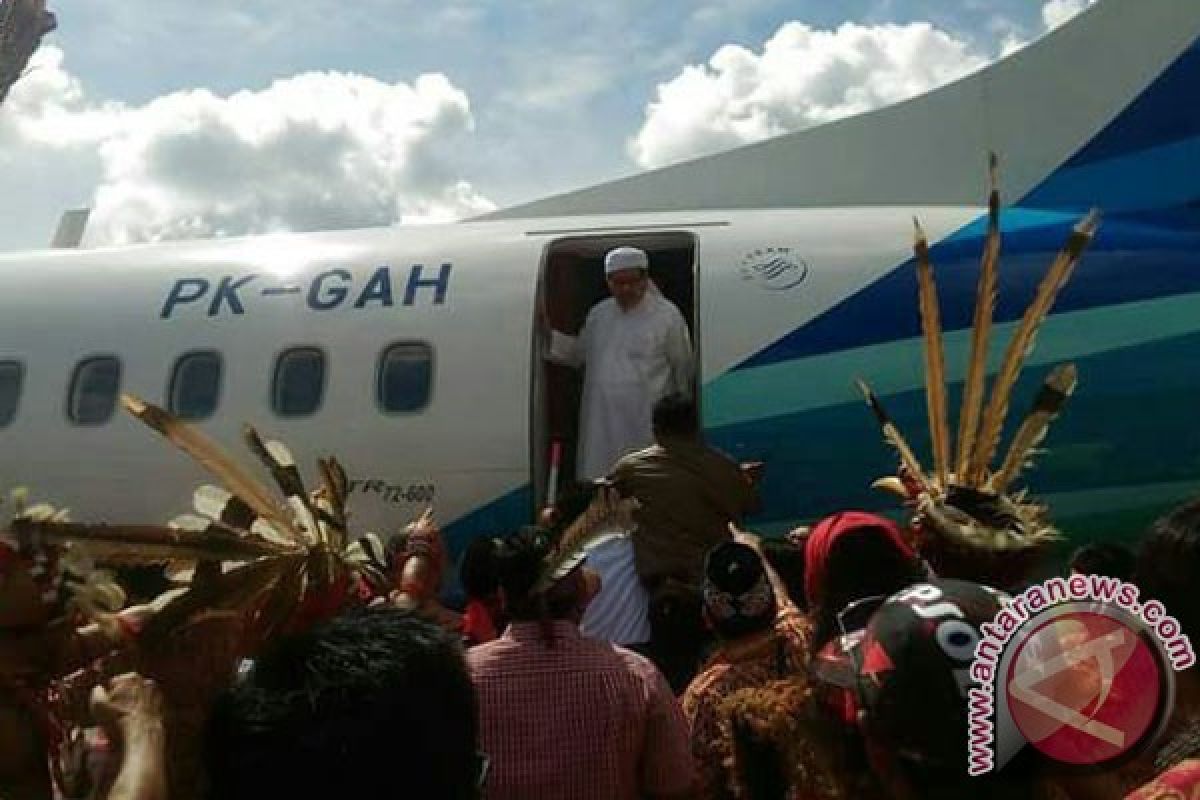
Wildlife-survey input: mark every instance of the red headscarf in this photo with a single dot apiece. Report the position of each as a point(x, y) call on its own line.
point(820, 544)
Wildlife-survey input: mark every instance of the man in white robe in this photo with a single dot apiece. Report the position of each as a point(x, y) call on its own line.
point(635, 349)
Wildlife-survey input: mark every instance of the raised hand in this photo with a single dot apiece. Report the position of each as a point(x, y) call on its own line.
point(129, 704)
point(130, 709)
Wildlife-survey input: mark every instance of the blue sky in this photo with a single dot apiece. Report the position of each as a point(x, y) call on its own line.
point(532, 97)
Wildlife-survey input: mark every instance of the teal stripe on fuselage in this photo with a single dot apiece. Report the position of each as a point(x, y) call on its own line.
point(818, 381)
point(1131, 423)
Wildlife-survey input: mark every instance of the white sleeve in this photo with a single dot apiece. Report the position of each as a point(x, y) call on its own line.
point(566, 350)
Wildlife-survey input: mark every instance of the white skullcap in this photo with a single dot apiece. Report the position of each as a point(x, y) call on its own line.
point(625, 258)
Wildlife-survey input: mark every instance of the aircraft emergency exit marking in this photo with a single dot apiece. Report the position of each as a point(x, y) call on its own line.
point(326, 291)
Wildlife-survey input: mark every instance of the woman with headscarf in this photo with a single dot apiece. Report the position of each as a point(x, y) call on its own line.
point(850, 556)
point(853, 562)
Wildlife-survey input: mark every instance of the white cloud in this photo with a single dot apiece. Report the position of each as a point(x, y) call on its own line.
point(805, 76)
point(802, 77)
point(317, 150)
point(1056, 12)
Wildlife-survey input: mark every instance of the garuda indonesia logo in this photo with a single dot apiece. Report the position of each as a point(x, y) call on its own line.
point(774, 268)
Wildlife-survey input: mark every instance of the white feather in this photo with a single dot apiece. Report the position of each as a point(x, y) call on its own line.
point(178, 573)
point(42, 512)
point(266, 530)
point(280, 452)
point(303, 519)
point(189, 522)
point(210, 501)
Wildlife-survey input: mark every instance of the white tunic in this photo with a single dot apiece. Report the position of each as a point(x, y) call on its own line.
point(631, 360)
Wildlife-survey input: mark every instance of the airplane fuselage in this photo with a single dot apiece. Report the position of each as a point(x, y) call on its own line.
point(789, 308)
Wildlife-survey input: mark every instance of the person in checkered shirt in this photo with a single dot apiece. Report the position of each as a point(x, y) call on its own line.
point(564, 716)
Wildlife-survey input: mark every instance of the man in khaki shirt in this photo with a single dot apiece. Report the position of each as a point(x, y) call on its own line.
point(688, 493)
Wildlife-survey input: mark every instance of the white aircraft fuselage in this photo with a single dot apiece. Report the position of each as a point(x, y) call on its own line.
point(793, 289)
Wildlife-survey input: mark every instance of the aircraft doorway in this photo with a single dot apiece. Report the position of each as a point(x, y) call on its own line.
point(571, 282)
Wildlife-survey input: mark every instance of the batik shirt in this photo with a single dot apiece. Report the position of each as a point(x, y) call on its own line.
point(749, 662)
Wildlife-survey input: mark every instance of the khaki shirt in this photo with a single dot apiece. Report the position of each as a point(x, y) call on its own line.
point(688, 494)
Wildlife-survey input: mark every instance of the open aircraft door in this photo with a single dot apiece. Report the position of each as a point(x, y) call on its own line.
point(571, 281)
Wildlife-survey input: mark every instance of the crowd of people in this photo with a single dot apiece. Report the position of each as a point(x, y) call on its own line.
point(755, 677)
point(637, 642)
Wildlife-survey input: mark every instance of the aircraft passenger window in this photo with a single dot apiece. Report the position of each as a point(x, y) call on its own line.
point(195, 385)
point(299, 382)
point(405, 377)
point(94, 388)
point(11, 373)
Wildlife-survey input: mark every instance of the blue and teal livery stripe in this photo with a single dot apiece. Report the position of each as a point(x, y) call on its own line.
point(810, 383)
point(1129, 261)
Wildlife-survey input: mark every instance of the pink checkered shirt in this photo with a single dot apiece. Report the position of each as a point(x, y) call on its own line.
point(577, 720)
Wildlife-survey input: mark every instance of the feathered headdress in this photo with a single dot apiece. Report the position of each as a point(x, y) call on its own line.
point(284, 557)
point(607, 515)
point(42, 581)
point(257, 561)
point(966, 513)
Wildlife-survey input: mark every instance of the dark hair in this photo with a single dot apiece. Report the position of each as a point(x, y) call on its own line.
point(480, 570)
point(1104, 558)
point(520, 561)
point(788, 562)
point(862, 563)
point(762, 771)
point(676, 415)
point(678, 634)
point(350, 708)
point(571, 503)
point(1182, 746)
point(395, 548)
point(1168, 562)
